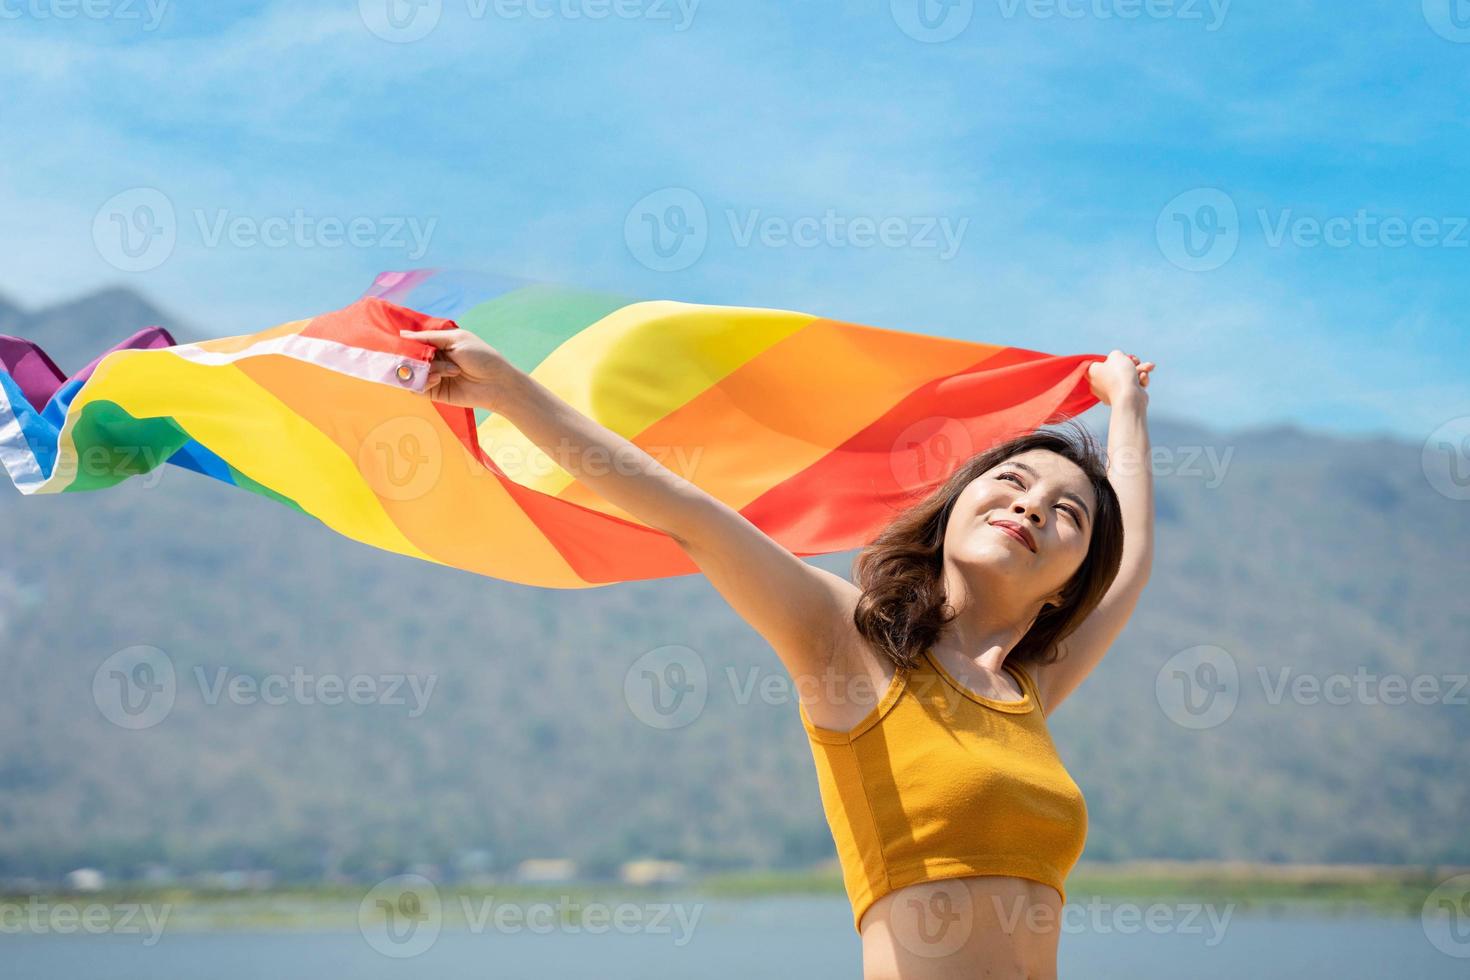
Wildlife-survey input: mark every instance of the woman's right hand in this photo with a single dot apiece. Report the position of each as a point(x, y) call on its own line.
point(1121, 375)
point(465, 371)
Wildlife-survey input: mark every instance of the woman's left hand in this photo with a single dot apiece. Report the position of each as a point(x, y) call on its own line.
point(1120, 375)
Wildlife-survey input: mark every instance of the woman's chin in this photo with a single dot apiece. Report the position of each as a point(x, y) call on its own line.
point(985, 562)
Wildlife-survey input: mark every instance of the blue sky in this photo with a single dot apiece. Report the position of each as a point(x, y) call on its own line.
point(1269, 199)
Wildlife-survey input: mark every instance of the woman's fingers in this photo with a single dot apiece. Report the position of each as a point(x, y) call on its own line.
point(439, 338)
point(442, 367)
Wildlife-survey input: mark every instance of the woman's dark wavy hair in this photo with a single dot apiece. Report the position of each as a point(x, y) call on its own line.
point(903, 609)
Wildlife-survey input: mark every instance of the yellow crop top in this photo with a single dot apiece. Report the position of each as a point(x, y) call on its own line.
point(939, 782)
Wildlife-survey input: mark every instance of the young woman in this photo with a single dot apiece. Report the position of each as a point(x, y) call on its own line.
point(925, 686)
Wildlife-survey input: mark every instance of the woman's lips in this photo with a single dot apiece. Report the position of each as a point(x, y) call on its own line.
point(1013, 531)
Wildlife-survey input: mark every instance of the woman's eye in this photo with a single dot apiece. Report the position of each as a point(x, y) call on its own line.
point(1010, 475)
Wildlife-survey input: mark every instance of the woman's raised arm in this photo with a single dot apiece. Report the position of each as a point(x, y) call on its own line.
point(804, 612)
point(1121, 383)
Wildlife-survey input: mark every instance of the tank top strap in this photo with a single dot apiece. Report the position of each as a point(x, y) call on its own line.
point(1028, 684)
point(886, 699)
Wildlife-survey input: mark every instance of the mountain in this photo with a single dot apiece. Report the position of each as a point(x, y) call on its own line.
point(9, 313)
point(1333, 560)
point(75, 332)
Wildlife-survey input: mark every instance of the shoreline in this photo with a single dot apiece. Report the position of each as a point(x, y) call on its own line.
point(1272, 890)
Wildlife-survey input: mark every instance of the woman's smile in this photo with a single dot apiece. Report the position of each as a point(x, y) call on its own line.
point(1016, 531)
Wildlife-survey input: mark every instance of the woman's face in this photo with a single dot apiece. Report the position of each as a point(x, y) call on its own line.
point(1026, 522)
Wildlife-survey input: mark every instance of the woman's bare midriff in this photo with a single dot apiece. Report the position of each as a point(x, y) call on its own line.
point(968, 927)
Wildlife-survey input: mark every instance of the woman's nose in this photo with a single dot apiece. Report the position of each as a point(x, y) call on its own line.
point(1027, 512)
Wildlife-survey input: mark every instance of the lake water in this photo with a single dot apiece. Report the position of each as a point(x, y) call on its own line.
point(808, 938)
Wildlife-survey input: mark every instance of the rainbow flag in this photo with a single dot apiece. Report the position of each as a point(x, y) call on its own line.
point(818, 431)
